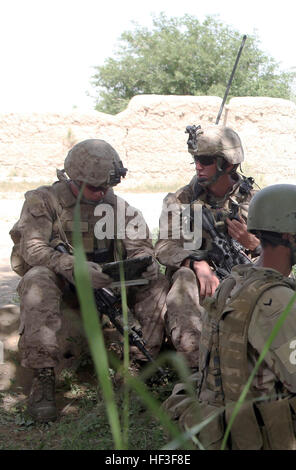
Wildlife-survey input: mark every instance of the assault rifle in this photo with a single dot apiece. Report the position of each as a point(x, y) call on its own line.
point(109, 304)
point(226, 252)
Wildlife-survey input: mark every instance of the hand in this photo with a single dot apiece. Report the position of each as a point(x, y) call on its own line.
point(208, 281)
point(152, 271)
point(97, 278)
point(238, 231)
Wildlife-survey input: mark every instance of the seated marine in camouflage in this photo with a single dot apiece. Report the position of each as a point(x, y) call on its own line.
point(46, 221)
point(239, 319)
point(217, 152)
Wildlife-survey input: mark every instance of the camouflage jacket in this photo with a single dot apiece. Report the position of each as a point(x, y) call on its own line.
point(170, 250)
point(47, 219)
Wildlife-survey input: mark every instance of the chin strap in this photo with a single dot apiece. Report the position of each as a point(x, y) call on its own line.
point(76, 189)
point(220, 171)
point(292, 246)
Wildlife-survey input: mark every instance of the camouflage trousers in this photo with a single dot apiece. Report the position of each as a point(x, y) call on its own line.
point(184, 313)
point(42, 299)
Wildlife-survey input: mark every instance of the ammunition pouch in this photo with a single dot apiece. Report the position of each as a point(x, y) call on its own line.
point(190, 412)
point(279, 424)
point(264, 426)
point(258, 426)
point(211, 436)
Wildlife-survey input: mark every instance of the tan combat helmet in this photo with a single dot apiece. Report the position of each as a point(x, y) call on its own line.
point(216, 141)
point(219, 141)
point(273, 209)
point(94, 162)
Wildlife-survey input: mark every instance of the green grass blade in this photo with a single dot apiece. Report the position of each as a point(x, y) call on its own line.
point(265, 349)
point(125, 350)
point(93, 328)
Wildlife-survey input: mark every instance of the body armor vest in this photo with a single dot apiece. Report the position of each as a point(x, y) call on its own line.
point(65, 222)
point(224, 367)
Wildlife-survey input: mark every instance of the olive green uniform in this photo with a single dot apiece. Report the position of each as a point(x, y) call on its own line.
point(239, 319)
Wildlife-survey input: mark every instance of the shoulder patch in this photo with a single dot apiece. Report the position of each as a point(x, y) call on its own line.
point(273, 301)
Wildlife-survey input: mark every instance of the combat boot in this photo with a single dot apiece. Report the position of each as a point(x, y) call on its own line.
point(41, 403)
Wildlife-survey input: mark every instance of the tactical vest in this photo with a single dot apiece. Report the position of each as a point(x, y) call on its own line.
point(96, 250)
point(224, 367)
point(62, 232)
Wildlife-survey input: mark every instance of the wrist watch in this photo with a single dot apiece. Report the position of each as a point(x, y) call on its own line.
point(201, 256)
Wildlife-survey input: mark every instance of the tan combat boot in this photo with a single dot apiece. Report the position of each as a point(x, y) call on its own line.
point(41, 403)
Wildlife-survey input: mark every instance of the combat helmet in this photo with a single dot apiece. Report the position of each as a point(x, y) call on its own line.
point(219, 141)
point(216, 141)
point(273, 209)
point(94, 162)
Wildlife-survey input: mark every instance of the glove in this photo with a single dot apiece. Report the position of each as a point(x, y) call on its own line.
point(152, 271)
point(97, 278)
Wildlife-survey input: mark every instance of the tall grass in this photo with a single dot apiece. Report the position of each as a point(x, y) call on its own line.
point(93, 328)
point(125, 351)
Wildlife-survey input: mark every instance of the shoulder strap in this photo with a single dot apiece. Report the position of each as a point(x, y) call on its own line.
point(62, 233)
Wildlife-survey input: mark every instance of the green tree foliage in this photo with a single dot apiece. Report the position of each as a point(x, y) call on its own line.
point(182, 56)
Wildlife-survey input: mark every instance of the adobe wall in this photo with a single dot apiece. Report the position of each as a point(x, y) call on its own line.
point(150, 138)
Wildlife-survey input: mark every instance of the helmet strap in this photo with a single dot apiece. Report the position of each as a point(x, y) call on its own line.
point(220, 171)
point(292, 245)
point(75, 188)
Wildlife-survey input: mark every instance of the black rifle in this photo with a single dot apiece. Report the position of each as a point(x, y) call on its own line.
point(109, 304)
point(226, 252)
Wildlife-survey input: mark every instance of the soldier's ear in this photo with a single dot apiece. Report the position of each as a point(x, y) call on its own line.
point(289, 236)
point(227, 166)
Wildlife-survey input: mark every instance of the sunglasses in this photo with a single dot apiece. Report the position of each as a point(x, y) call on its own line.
point(204, 160)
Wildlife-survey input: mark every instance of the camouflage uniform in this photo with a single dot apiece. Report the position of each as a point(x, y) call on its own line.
point(238, 321)
point(184, 312)
point(47, 214)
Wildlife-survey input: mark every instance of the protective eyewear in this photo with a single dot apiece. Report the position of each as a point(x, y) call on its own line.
point(204, 160)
